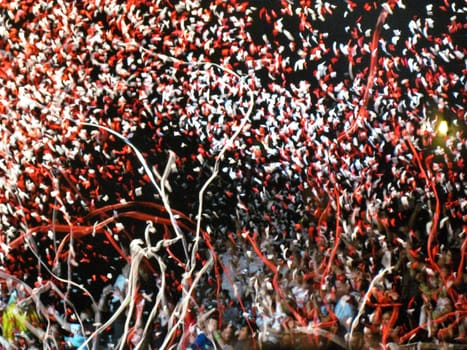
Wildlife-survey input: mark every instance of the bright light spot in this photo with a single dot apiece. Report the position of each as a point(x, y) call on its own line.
point(443, 127)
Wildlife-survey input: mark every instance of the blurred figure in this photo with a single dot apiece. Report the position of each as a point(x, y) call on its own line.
point(224, 339)
point(245, 338)
point(119, 291)
point(205, 338)
point(76, 338)
point(345, 311)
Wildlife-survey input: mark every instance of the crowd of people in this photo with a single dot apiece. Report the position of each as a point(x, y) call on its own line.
point(250, 306)
point(337, 215)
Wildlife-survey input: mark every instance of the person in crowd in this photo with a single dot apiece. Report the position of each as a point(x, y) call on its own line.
point(119, 289)
point(246, 337)
point(76, 338)
point(159, 333)
point(23, 342)
point(205, 338)
point(224, 338)
point(345, 311)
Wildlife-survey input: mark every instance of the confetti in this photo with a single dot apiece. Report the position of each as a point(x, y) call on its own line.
point(217, 152)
